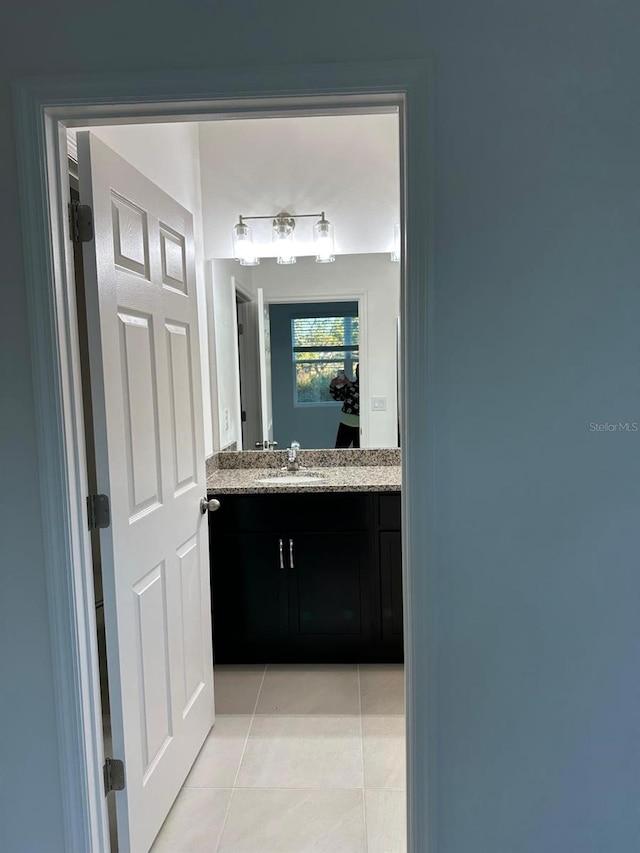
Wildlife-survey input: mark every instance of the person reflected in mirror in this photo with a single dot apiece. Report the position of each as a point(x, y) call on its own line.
point(348, 391)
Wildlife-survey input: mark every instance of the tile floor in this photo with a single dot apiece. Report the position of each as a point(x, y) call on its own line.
point(301, 758)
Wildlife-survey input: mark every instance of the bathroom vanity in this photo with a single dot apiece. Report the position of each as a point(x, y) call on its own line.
point(308, 568)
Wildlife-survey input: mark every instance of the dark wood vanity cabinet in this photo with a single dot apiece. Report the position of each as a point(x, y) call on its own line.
point(306, 578)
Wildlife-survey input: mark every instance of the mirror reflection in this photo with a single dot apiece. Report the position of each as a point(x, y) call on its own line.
point(347, 391)
point(313, 352)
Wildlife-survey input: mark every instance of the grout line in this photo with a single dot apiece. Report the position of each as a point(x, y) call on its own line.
point(364, 798)
point(246, 741)
point(295, 789)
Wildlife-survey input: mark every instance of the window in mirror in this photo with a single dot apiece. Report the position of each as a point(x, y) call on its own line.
point(320, 347)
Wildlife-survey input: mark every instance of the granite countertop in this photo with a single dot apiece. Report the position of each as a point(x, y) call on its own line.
point(361, 478)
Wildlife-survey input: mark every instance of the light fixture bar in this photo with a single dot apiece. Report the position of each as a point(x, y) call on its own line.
point(288, 216)
point(284, 224)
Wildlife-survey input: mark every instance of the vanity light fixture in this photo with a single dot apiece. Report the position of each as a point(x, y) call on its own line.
point(283, 230)
point(395, 251)
point(323, 239)
point(243, 245)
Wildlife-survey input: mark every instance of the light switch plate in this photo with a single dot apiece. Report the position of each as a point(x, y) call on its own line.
point(378, 404)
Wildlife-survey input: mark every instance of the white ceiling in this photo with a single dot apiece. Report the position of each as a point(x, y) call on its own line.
point(346, 166)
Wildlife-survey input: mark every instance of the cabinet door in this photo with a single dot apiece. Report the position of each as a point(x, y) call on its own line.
point(391, 588)
point(249, 594)
point(329, 596)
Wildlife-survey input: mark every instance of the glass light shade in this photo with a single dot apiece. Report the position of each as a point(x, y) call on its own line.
point(323, 241)
point(283, 238)
point(395, 252)
point(243, 249)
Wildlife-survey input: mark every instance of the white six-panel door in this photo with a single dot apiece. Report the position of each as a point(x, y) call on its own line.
point(147, 401)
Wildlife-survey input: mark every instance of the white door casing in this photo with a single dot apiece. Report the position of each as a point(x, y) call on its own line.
point(147, 402)
point(235, 355)
point(249, 373)
point(264, 348)
point(45, 106)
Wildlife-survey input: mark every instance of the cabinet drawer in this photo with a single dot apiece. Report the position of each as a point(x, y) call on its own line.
point(390, 511)
point(291, 513)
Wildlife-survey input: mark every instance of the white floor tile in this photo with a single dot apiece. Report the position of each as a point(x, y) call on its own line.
point(236, 688)
point(386, 821)
point(302, 752)
point(384, 752)
point(194, 823)
point(310, 690)
point(276, 821)
point(219, 759)
point(302, 766)
point(382, 688)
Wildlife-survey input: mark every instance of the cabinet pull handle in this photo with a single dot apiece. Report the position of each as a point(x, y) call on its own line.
point(281, 556)
point(291, 565)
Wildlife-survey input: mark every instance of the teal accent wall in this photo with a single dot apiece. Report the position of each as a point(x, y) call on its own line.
point(535, 555)
point(312, 426)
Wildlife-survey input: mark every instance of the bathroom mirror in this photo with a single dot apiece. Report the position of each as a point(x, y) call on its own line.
point(282, 333)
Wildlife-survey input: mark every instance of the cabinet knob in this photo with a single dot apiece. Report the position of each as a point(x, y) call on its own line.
point(209, 505)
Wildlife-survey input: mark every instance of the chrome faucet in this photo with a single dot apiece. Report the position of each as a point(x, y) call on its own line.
point(292, 456)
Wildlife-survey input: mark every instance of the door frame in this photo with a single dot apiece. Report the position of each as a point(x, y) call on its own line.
point(44, 108)
point(245, 351)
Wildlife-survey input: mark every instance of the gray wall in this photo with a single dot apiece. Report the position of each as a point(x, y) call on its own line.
point(537, 265)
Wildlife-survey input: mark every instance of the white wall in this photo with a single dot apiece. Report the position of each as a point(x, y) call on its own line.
point(375, 277)
point(347, 166)
point(169, 155)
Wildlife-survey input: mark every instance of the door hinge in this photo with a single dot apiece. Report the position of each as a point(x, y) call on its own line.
point(98, 512)
point(113, 771)
point(240, 329)
point(243, 417)
point(80, 222)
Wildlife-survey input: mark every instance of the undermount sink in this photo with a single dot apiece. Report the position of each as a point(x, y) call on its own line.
point(293, 477)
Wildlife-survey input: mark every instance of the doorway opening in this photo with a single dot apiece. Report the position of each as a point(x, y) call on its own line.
point(82, 677)
point(327, 602)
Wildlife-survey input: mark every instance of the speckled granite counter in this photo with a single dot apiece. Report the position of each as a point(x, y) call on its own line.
point(378, 478)
point(372, 470)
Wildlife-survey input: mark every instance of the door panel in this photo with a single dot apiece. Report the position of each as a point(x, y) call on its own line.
point(192, 628)
point(147, 403)
point(182, 412)
point(130, 236)
point(174, 259)
point(153, 664)
point(141, 410)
